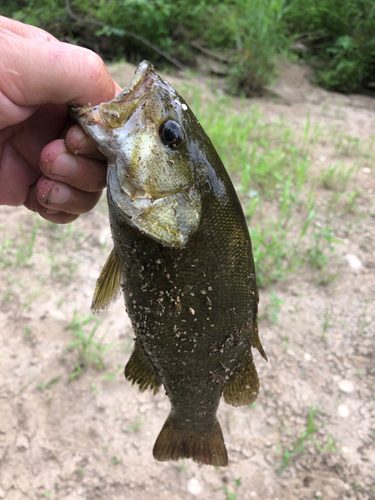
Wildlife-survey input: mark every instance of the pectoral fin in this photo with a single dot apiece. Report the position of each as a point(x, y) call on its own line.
point(243, 388)
point(107, 288)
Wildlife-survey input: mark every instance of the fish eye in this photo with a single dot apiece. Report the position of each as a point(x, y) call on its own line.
point(171, 134)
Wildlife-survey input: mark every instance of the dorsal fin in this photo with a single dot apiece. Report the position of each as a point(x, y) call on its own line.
point(108, 287)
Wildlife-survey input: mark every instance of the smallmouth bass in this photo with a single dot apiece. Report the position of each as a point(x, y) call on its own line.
point(183, 259)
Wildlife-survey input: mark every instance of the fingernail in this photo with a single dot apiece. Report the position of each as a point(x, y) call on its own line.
point(64, 165)
point(59, 194)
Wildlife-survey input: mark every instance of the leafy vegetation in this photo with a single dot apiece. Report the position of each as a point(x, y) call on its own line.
point(340, 34)
point(245, 36)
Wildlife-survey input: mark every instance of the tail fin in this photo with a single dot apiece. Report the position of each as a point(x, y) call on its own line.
point(205, 447)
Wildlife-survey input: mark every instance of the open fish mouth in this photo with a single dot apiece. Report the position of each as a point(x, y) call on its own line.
point(117, 112)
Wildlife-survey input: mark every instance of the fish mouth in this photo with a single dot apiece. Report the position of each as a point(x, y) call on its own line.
point(143, 79)
point(116, 113)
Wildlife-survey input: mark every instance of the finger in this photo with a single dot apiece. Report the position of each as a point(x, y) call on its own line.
point(25, 30)
point(15, 176)
point(78, 142)
point(47, 213)
point(66, 73)
point(86, 174)
point(55, 216)
point(58, 196)
point(118, 89)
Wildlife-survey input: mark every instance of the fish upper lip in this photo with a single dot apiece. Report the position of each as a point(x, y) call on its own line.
point(137, 89)
point(143, 79)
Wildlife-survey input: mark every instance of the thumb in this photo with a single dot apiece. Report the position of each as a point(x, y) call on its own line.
point(40, 71)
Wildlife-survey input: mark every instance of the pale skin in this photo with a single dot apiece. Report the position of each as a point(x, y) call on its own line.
point(47, 163)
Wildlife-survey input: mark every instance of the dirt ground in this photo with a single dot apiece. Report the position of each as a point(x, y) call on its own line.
point(90, 435)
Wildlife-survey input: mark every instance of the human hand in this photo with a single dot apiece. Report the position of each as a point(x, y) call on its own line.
point(41, 152)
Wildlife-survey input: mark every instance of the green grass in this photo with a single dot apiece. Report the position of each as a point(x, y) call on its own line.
point(63, 265)
point(90, 350)
point(232, 495)
point(134, 427)
point(43, 386)
point(272, 308)
point(18, 249)
point(299, 446)
point(114, 461)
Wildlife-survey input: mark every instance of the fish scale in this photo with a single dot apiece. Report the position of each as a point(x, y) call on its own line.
point(183, 258)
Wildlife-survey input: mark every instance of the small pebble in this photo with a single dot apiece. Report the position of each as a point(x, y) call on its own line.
point(318, 494)
point(345, 449)
point(346, 386)
point(343, 411)
point(22, 443)
point(307, 356)
point(353, 261)
point(194, 486)
point(104, 235)
point(366, 170)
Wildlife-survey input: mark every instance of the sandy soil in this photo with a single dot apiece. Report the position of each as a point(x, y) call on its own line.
point(91, 436)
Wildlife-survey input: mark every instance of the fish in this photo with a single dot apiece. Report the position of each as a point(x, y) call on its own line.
point(183, 260)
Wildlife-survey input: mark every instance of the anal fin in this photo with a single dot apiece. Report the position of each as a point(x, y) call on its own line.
point(243, 388)
point(107, 288)
point(140, 371)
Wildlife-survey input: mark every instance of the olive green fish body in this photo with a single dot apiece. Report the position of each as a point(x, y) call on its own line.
point(189, 285)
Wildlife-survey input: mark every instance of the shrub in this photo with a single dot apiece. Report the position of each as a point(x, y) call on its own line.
point(340, 35)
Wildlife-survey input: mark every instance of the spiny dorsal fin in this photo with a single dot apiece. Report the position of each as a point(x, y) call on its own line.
point(243, 388)
point(107, 288)
point(139, 370)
